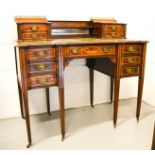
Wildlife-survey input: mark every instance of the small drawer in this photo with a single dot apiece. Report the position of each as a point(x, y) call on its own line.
point(132, 48)
point(131, 60)
point(32, 27)
point(34, 36)
point(110, 34)
point(114, 27)
point(41, 80)
point(41, 67)
point(40, 54)
point(108, 30)
point(89, 51)
point(34, 31)
point(130, 71)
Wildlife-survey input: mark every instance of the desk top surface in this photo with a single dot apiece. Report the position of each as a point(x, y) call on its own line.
point(76, 41)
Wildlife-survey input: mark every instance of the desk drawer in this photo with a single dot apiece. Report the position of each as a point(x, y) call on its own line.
point(88, 51)
point(34, 36)
point(40, 54)
point(132, 48)
point(131, 60)
point(34, 31)
point(130, 71)
point(35, 81)
point(114, 30)
point(42, 67)
point(32, 27)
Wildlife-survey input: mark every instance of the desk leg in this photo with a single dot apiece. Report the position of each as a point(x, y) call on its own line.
point(153, 140)
point(91, 75)
point(48, 101)
point(19, 87)
point(21, 100)
point(116, 99)
point(139, 99)
point(111, 88)
point(61, 89)
point(27, 119)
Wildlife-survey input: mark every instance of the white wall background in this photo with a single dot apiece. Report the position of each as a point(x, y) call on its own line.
point(138, 14)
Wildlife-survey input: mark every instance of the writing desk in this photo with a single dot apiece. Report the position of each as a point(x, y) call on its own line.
point(42, 64)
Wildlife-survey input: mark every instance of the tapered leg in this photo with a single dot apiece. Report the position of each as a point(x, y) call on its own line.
point(62, 112)
point(20, 100)
point(111, 88)
point(61, 90)
point(91, 75)
point(153, 140)
point(27, 119)
point(139, 99)
point(116, 99)
point(48, 101)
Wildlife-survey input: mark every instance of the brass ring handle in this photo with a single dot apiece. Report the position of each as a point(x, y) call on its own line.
point(34, 36)
point(41, 54)
point(42, 80)
point(106, 50)
point(75, 50)
point(131, 49)
point(129, 70)
point(34, 28)
point(41, 67)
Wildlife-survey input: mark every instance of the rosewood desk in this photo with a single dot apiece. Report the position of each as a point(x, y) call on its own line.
point(119, 57)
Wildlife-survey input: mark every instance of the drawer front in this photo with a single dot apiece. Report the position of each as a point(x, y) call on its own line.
point(131, 60)
point(109, 34)
point(88, 51)
point(132, 48)
point(114, 31)
point(41, 67)
point(34, 36)
point(41, 80)
point(130, 71)
point(32, 27)
point(40, 54)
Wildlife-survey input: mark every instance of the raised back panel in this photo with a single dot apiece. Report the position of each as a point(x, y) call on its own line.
point(70, 29)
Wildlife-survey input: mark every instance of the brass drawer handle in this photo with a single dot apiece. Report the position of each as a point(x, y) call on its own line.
point(129, 70)
point(130, 60)
point(34, 36)
point(41, 67)
point(34, 28)
point(106, 50)
point(113, 34)
point(114, 28)
point(42, 80)
point(75, 50)
point(40, 54)
point(131, 49)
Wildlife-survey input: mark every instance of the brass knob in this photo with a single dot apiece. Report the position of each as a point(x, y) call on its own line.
point(41, 54)
point(130, 60)
point(106, 50)
point(34, 28)
point(42, 80)
point(41, 66)
point(75, 50)
point(114, 28)
point(34, 36)
point(131, 49)
point(113, 34)
point(129, 70)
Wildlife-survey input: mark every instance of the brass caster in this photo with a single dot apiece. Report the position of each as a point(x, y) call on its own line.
point(92, 106)
point(29, 145)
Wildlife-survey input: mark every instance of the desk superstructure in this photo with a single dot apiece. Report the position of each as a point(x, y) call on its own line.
point(46, 48)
